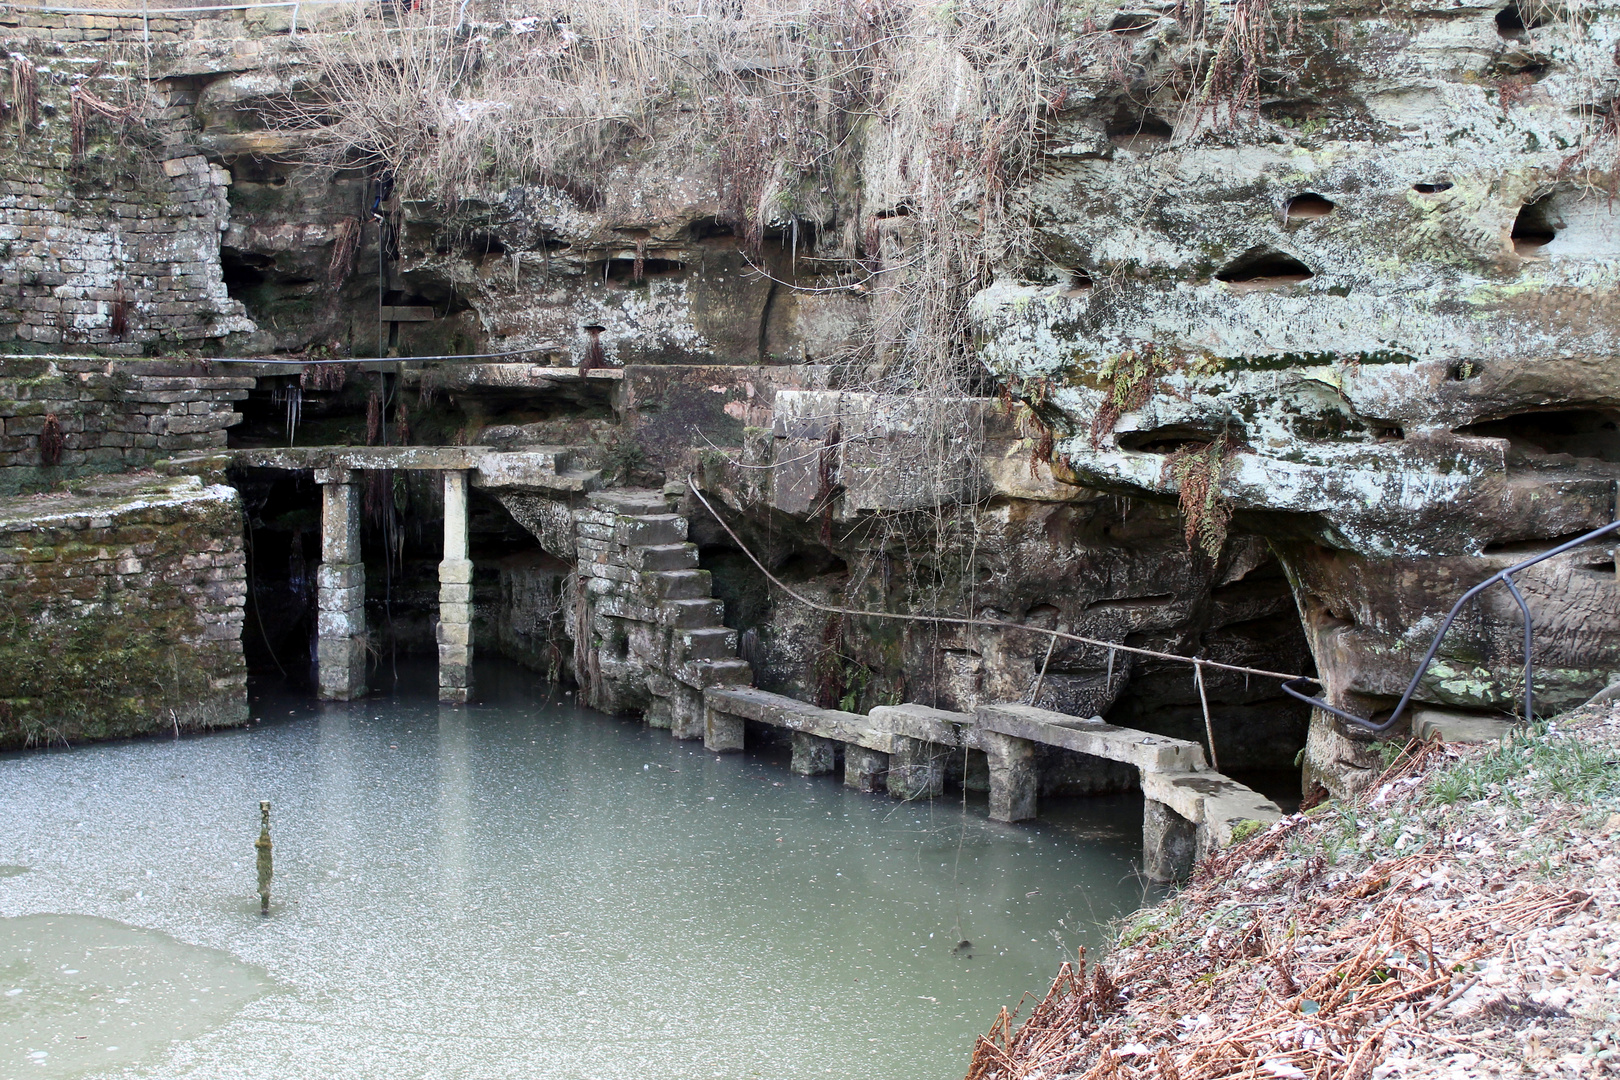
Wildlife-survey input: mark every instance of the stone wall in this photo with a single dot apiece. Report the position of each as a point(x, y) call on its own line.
point(121, 610)
point(110, 416)
point(113, 248)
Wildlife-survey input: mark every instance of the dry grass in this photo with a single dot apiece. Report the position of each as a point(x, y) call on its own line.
point(1405, 927)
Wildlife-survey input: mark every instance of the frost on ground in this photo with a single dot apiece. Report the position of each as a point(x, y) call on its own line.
point(1461, 921)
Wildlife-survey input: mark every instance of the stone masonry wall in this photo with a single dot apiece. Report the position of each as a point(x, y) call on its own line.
point(111, 416)
point(121, 611)
point(115, 248)
point(648, 636)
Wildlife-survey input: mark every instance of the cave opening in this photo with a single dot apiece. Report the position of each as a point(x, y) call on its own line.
point(1143, 130)
point(1536, 226)
point(1432, 187)
point(1308, 205)
point(1264, 267)
point(1591, 434)
point(1512, 25)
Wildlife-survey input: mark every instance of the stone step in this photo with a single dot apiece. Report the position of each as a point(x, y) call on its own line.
point(719, 643)
point(662, 557)
point(631, 502)
point(650, 530)
point(679, 584)
point(691, 614)
point(702, 674)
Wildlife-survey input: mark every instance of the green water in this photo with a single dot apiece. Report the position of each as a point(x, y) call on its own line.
point(516, 888)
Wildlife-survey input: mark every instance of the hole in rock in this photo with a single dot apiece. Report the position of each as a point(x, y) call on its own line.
point(483, 243)
point(1392, 433)
point(1308, 205)
point(709, 228)
point(1580, 433)
point(1536, 226)
point(622, 271)
point(804, 565)
point(898, 210)
point(1599, 567)
point(1463, 370)
point(1263, 268)
point(1138, 131)
point(242, 270)
point(1079, 283)
point(1132, 22)
point(1432, 187)
point(1512, 25)
point(1164, 440)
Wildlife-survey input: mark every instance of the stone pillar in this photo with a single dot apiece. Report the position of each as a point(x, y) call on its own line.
point(1014, 782)
point(812, 755)
point(455, 594)
point(916, 769)
point(722, 732)
point(1169, 844)
point(340, 649)
point(864, 770)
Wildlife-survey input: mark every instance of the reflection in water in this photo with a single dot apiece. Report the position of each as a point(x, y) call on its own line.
point(523, 888)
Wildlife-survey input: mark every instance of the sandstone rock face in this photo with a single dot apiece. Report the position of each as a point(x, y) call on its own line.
point(1387, 301)
point(1356, 288)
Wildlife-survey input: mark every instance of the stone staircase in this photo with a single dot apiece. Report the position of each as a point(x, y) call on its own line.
point(649, 636)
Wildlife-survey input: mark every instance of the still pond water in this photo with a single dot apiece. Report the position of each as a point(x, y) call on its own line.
point(516, 888)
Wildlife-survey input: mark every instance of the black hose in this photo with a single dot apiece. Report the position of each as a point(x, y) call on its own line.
point(1504, 576)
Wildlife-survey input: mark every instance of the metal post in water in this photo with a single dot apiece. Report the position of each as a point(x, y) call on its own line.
point(262, 845)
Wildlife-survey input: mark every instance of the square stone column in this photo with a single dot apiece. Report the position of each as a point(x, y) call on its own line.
point(455, 593)
point(1169, 844)
point(812, 755)
point(1014, 780)
point(340, 649)
point(917, 768)
point(865, 770)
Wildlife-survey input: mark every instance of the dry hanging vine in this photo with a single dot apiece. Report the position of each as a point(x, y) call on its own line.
point(1197, 471)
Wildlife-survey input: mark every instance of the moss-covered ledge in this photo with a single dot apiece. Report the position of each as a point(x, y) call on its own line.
point(121, 607)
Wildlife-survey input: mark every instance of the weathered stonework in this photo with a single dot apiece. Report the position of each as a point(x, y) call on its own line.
point(123, 609)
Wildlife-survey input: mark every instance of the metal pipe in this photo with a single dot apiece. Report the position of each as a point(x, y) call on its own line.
point(1289, 687)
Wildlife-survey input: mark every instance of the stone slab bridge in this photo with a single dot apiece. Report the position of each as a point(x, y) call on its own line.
point(649, 639)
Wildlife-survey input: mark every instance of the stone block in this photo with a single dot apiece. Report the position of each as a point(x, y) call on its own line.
point(865, 770)
point(455, 593)
point(722, 732)
point(337, 624)
point(678, 584)
point(454, 613)
point(662, 557)
point(812, 755)
point(450, 633)
point(652, 530)
point(1014, 779)
point(690, 614)
point(340, 576)
point(455, 572)
point(916, 768)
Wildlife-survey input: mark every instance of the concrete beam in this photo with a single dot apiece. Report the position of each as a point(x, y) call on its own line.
point(812, 755)
point(1214, 803)
point(1169, 844)
point(917, 768)
point(865, 770)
